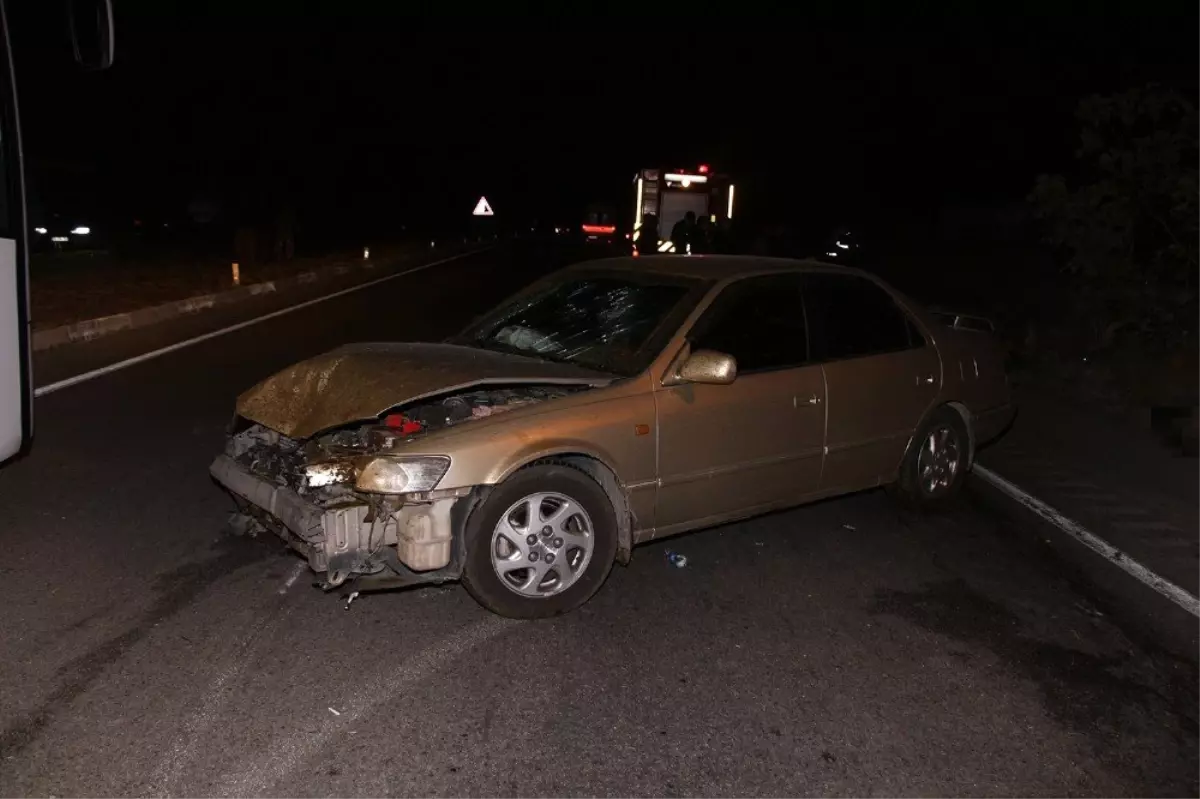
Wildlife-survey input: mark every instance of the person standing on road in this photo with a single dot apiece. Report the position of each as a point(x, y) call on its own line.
point(683, 232)
point(647, 243)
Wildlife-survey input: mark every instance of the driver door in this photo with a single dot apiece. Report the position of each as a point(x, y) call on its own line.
point(726, 451)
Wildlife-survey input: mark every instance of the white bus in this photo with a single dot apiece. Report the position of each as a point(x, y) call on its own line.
point(91, 29)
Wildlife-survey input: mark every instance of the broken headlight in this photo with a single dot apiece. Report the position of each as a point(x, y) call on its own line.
point(385, 474)
point(327, 473)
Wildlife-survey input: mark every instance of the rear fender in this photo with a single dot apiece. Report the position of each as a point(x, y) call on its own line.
point(968, 419)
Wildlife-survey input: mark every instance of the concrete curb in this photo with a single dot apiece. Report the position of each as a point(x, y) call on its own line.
point(90, 329)
point(1145, 615)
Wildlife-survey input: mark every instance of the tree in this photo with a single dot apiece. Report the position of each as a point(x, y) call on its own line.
point(1127, 225)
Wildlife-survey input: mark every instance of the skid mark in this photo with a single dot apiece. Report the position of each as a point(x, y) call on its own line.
point(287, 754)
point(183, 750)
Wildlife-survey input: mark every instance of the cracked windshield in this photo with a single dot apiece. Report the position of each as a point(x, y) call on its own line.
point(602, 323)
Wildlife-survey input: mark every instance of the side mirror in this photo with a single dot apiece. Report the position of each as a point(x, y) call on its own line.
point(708, 366)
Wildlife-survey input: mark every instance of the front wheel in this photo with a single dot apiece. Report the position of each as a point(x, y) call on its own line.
point(541, 544)
point(936, 464)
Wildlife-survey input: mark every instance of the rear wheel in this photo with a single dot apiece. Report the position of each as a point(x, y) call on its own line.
point(936, 464)
point(541, 544)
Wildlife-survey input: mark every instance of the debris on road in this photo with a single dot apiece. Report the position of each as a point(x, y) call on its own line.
point(353, 596)
point(334, 712)
point(676, 560)
point(850, 527)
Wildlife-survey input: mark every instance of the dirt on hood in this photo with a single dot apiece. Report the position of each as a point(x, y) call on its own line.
point(358, 382)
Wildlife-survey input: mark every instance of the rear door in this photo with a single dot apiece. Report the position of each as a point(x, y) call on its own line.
point(881, 375)
point(16, 387)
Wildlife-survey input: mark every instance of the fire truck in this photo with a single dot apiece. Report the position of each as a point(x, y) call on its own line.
point(668, 194)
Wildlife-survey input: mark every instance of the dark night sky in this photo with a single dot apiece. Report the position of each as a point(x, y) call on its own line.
point(378, 119)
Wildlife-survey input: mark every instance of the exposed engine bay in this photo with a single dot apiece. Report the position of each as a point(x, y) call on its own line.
point(351, 500)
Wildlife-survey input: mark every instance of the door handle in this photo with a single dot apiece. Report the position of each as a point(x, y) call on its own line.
point(926, 379)
point(814, 400)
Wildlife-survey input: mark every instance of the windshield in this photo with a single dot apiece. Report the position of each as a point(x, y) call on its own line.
point(610, 323)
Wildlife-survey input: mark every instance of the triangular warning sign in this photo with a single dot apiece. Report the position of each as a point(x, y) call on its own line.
point(482, 208)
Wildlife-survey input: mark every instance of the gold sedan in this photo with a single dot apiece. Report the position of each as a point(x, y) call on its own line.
point(610, 404)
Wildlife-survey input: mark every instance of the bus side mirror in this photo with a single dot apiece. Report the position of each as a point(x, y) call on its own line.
point(91, 23)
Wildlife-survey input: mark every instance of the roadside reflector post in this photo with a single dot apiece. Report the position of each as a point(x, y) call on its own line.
point(366, 253)
point(237, 275)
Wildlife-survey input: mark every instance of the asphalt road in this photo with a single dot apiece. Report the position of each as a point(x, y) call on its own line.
point(844, 648)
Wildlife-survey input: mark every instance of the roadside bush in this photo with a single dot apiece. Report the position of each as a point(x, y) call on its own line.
point(1125, 225)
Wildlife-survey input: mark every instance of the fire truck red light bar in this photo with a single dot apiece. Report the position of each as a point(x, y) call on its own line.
point(604, 229)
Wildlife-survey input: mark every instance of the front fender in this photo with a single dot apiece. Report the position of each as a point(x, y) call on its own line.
point(524, 456)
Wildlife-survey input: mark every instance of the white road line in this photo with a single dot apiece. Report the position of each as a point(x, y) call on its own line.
point(1093, 542)
point(146, 356)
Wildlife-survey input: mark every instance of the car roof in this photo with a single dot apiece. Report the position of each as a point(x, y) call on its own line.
point(712, 267)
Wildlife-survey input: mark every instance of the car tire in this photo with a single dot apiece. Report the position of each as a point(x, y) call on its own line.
point(582, 544)
point(931, 476)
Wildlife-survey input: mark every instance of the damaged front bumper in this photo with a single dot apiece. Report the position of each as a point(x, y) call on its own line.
point(377, 541)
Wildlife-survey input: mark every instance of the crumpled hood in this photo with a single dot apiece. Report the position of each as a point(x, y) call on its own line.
point(358, 382)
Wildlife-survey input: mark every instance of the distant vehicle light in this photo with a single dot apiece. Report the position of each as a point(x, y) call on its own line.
point(40, 230)
point(832, 254)
point(704, 169)
point(842, 246)
point(59, 238)
point(82, 230)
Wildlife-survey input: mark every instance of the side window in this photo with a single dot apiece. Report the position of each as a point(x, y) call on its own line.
point(851, 317)
point(759, 321)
